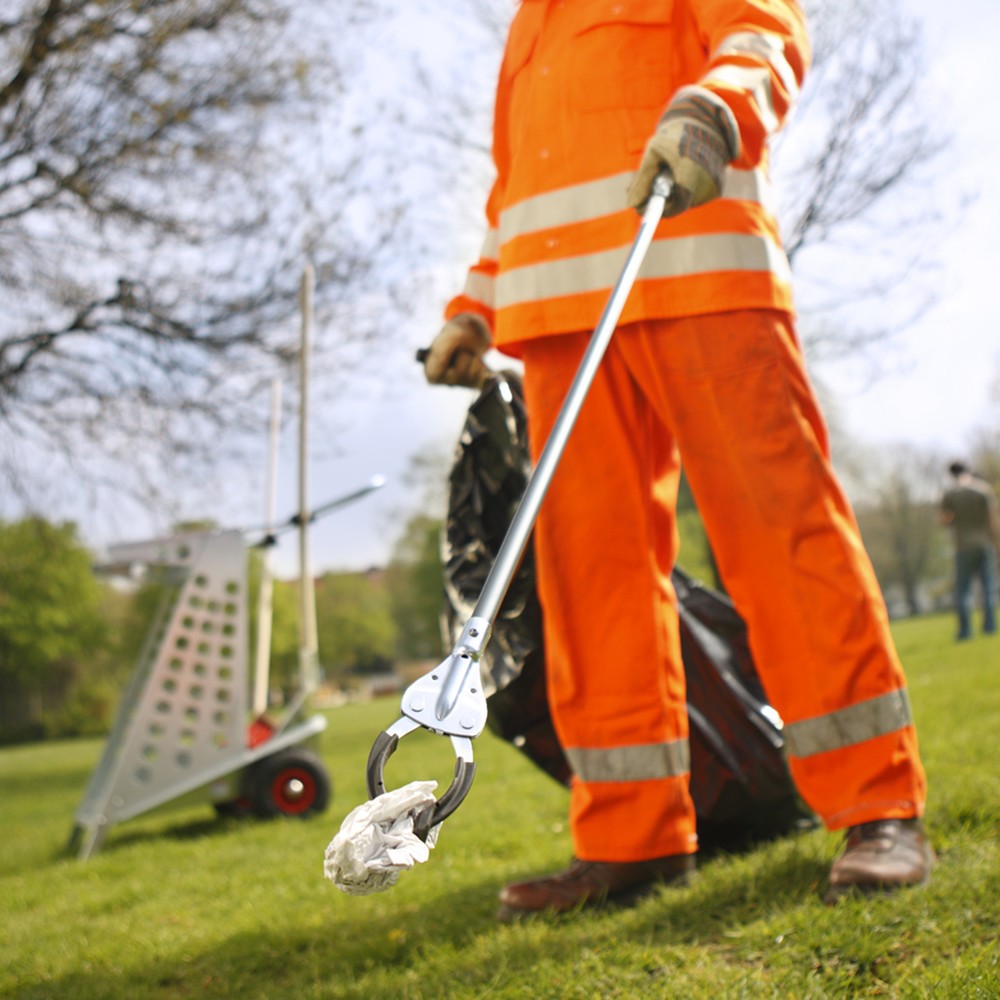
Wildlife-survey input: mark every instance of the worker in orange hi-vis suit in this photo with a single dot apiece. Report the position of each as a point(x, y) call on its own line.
point(595, 97)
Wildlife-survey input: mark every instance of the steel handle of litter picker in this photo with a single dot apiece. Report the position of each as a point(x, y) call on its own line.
point(516, 539)
point(449, 700)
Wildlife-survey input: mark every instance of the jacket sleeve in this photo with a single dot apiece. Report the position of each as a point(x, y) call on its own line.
point(478, 294)
point(758, 56)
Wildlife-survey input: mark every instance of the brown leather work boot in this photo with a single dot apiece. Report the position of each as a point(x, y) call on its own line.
point(593, 883)
point(880, 856)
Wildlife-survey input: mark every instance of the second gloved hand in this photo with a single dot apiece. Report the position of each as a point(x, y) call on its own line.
point(455, 356)
point(696, 140)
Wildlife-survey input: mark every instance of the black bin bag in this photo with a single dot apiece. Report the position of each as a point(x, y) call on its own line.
point(740, 784)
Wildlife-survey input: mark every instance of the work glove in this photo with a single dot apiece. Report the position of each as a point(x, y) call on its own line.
point(696, 140)
point(455, 356)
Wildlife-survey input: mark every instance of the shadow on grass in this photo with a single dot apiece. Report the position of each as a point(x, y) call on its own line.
point(722, 898)
point(119, 837)
point(348, 951)
point(197, 828)
point(180, 830)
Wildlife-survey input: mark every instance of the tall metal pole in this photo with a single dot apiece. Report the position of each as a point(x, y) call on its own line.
point(308, 644)
point(265, 601)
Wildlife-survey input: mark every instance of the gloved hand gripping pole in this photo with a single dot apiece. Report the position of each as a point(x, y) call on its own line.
point(449, 700)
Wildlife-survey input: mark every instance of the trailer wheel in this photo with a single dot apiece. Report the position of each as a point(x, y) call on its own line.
point(291, 783)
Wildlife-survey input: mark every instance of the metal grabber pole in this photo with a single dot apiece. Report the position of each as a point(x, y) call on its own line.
point(449, 700)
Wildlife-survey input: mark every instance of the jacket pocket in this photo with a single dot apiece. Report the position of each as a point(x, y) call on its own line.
point(621, 54)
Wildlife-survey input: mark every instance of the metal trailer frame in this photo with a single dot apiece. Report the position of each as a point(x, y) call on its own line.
point(181, 729)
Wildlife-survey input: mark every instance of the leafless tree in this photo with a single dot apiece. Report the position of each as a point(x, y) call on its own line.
point(899, 521)
point(985, 450)
point(167, 166)
point(852, 172)
point(166, 169)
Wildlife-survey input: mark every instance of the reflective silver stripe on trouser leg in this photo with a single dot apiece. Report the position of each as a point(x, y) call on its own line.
point(887, 713)
point(641, 762)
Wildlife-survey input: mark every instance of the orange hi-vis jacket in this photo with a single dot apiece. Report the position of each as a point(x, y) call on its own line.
point(598, 79)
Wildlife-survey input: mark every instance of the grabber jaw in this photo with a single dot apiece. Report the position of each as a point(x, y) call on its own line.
point(449, 700)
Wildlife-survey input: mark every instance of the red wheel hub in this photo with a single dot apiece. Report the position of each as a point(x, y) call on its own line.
point(294, 790)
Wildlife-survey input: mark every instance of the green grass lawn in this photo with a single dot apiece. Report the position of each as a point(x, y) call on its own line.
point(183, 905)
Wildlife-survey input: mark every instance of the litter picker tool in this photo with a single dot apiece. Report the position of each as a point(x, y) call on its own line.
point(449, 700)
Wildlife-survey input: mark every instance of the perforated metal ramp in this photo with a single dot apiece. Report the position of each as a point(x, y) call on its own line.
point(182, 722)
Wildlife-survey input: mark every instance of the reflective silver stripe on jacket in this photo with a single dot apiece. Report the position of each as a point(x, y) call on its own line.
point(641, 762)
point(766, 47)
point(595, 272)
point(681, 257)
point(756, 79)
point(888, 713)
point(491, 245)
point(595, 199)
point(480, 288)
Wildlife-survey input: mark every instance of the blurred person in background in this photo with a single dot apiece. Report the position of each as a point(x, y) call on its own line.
point(969, 506)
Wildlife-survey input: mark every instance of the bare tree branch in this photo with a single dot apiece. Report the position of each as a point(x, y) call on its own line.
point(166, 169)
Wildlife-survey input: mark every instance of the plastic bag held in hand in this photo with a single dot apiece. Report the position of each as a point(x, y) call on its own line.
point(376, 840)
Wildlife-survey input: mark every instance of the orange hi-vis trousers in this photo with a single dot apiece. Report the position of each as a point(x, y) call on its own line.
point(728, 394)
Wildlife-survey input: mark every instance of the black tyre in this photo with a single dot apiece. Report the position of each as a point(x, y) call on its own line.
point(291, 783)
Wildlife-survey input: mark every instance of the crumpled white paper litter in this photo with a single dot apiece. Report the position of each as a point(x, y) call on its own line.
point(376, 841)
